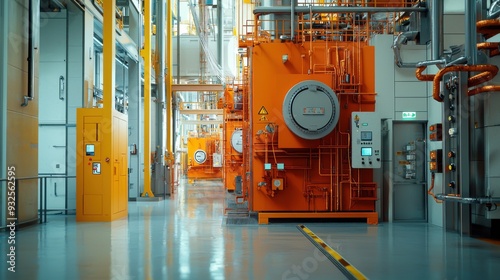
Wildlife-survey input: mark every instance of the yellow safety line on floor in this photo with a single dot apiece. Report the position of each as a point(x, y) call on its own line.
point(349, 270)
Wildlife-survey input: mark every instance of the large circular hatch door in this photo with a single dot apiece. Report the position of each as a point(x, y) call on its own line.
point(311, 109)
point(237, 141)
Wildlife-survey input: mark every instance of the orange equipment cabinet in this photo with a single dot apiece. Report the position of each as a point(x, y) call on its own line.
point(301, 127)
point(204, 158)
point(102, 165)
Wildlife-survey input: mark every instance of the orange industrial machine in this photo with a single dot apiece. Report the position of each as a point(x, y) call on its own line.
point(234, 117)
point(204, 157)
point(313, 137)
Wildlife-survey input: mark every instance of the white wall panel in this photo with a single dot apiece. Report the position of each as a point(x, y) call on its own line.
point(384, 76)
point(411, 104)
point(52, 146)
point(410, 89)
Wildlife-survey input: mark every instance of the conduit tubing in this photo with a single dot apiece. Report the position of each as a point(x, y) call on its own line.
point(487, 73)
point(479, 90)
point(488, 28)
point(335, 9)
point(423, 77)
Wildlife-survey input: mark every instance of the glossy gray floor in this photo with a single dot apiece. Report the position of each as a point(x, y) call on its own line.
point(184, 238)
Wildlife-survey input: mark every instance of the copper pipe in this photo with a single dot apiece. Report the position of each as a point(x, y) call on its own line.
point(487, 45)
point(488, 72)
point(494, 48)
point(488, 28)
point(423, 77)
point(482, 89)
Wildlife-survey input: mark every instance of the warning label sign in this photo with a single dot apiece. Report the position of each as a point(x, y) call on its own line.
point(263, 111)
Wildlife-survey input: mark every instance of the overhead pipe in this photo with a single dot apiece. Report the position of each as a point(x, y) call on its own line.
point(335, 9)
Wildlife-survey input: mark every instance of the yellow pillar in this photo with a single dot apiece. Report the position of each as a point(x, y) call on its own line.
point(146, 55)
point(109, 46)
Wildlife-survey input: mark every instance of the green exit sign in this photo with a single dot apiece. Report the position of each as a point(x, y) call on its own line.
point(409, 115)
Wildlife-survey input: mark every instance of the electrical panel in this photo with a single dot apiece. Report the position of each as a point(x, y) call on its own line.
point(365, 140)
point(217, 160)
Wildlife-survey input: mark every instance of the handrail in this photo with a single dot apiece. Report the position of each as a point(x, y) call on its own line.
point(42, 186)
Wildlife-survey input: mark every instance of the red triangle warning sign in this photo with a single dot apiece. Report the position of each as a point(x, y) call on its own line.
point(263, 111)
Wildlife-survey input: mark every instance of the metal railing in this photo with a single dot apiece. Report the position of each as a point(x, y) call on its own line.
point(42, 196)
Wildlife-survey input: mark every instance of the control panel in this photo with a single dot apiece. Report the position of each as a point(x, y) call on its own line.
point(365, 140)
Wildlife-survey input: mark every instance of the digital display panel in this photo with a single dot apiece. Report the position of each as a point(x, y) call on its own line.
point(366, 151)
point(366, 136)
point(89, 150)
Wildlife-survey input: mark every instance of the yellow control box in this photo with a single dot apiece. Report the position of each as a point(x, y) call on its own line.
point(102, 165)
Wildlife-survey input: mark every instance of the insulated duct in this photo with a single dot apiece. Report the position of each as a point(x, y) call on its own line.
point(402, 39)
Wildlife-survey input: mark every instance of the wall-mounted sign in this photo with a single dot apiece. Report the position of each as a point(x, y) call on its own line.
point(409, 115)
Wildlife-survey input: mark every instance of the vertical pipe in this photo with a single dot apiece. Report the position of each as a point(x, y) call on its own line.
point(250, 136)
point(292, 20)
point(169, 79)
point(470, 32)
point(464, 158)
point(178, 42)
point(45, 201)
point(220, 38)
point(31, 61)
point(436, 7)
point(174, 124)
point(146, 55)
point(33, 11)
point(160, 81)
point(40, 182)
